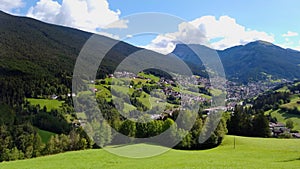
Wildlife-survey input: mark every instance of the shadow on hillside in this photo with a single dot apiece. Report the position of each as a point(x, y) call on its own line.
point(286, 115)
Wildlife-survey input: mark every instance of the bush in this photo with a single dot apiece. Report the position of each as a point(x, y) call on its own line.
point(285, 135)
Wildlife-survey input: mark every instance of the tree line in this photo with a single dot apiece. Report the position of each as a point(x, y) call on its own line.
point(104, 117)
point(23, 142)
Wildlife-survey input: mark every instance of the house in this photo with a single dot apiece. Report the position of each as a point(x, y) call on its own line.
point(54, 97)
point(296, 135)
point(278, 128)
point(94, 90)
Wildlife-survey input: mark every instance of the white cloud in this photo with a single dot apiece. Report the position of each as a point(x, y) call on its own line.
point(117, 24)
point(290, 34)
point(9, 5)
point(89, 15)
point(187, 34)
point(45, 10)
point(229, 32)
point(222, 33)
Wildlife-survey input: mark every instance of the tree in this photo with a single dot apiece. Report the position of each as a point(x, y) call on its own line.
point(15, 154)
point(53, 145)
point(261, 126)
point(170, 125)
point(289, 124)
point(196, 130)
point(74, 140)
point(186, 139)
point(105, 133)
point(128, 128)
point(240, 122)
point(64, 142)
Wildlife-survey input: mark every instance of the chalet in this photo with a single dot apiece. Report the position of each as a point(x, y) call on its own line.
point(278, 128)
point(296, 135)
point(94, 90)
point(156, 116)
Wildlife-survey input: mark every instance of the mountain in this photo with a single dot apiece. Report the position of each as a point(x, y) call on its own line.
point(254, 61)
point(28, 46)
point(34, 48)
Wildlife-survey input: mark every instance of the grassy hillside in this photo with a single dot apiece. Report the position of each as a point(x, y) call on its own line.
point(29, 46)
point(45, 135)
point(283, 117)
point(249, 153)
point(32, 47)
point(50, 104)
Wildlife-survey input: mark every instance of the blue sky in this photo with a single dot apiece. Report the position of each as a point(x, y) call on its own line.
point(238, 21)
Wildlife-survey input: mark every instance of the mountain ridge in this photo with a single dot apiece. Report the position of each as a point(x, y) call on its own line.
point(250, 62)
point(29, 46)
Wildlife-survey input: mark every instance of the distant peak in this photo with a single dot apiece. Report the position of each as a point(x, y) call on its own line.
point(261, 42)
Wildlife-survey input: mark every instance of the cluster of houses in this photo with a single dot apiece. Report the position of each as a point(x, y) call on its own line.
point(235, 94)
point(279, 128)
point(236, 91)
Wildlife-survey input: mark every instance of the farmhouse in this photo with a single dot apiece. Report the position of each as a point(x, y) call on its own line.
point(278, 128)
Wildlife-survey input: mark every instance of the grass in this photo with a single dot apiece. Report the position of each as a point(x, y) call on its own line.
point(128, 107)
point(45, 135)
point(216, 92)
point(149, 76)
point(81, 115)
point(283, 117)
point(283, 89)
point(249, 153)
point(122, 89)
point(50, 104)
point(293, 103)
point(102, 91)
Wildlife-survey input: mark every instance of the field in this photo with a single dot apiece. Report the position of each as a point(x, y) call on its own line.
point(50, 104)
point(283, 117)
point(293, 103)
point(248, 153)
point(45, 135)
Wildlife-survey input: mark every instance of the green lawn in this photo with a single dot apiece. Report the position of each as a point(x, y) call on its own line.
point(128, 107)
point(45, 135)
point(249, 153)
point(50, 104)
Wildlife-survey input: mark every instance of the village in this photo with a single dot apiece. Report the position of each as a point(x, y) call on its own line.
point(200, 89)
point(183, 91)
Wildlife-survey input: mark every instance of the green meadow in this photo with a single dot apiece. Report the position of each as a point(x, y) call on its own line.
point(283, 117)
point(248, 153)
point(45, 135)
point(50, 104)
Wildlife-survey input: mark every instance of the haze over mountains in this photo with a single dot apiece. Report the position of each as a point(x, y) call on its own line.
point(31, 47)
